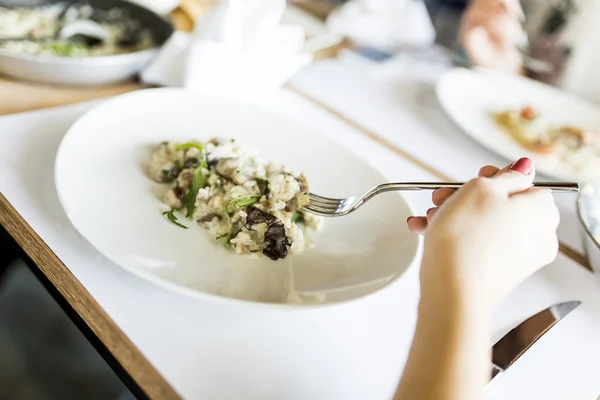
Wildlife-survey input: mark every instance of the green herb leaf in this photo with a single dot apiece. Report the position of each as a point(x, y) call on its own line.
point(264, 183)
point(197, 183)
point(173, 218)
point(222, 236)
point(297, 218)
point(65, 48)
point(189, 145)
point(229, 236)
point(242, 201)
point(199, 180)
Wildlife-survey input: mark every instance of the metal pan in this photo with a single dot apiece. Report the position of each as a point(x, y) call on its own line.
point(87, 71)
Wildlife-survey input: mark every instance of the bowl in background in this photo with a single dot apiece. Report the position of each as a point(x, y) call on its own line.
point(86, 71)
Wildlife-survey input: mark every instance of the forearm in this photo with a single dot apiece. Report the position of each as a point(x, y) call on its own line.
point(449, 357)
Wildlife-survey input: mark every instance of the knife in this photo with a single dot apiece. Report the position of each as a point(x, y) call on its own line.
point(515, 343)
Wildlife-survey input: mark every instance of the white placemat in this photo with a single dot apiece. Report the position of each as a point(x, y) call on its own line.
point(350, 351)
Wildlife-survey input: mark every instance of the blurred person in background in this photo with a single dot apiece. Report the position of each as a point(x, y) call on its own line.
point(487, 32)
point(491, 33)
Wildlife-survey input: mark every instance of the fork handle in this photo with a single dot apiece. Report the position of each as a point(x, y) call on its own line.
point(554, 186)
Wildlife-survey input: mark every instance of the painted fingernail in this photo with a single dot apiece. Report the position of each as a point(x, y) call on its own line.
point(522, 165)
point(408, 219)
point(430, 211)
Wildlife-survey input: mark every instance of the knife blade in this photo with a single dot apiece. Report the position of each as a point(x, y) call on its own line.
point(515, 343)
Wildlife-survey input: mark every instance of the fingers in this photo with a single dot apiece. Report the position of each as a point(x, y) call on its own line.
point(513, 7)
point(440, 195)
point(430, 213)
point(417, 224)
point(488, 171)
point(518, 177)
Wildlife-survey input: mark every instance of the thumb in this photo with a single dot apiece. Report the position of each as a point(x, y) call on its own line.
point(517, 178)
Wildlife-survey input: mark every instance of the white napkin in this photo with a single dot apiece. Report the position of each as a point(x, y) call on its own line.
point(384, 24)
point(239, 50)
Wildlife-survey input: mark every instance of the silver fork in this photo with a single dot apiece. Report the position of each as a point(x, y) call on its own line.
point(328, 207)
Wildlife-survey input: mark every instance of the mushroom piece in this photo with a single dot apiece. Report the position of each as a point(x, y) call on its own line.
point(168, 173)
point(291, 205)
point(303, 183)
point(163, 167)
point(257, 216)
point(174, 197)
point(191, 162)
point(226, 167)
point(185, 178)
point(277, 243)
point(209, 217)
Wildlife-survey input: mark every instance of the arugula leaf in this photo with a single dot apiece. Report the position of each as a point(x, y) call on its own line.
point(197, 183)
point(242, 201)
point(173, 218)
point(189, 145)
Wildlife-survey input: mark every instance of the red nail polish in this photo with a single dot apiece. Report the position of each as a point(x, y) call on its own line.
point(523, 165)
point(408, 219)
point(429, 211)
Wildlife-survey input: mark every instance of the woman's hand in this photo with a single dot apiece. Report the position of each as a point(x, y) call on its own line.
point(491, 32)
point(484, 239)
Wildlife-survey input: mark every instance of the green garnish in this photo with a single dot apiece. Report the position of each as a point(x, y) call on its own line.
point(297, 218)
point(66, 48)
point(265, 183)
point(173, 218)
point(189, 145)
point(229, 236)
point(197, 183)
point(199, 180)
point(222, 236)
point(242, 201)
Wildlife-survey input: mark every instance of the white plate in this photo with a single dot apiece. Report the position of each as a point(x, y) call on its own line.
point(103, 188)
point(470, 96)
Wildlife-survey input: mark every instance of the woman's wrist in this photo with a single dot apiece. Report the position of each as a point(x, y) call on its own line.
point(450, 284)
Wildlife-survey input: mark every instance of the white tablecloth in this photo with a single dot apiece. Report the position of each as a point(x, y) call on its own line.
point(350, 351)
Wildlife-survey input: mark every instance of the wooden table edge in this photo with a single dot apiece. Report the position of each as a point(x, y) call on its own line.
point(83, 304)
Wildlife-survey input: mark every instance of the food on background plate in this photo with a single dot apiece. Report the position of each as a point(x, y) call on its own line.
point(254, 206)
point(577, 146)
point(42, 24)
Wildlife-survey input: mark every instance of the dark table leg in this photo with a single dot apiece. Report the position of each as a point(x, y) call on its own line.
point(7, 256)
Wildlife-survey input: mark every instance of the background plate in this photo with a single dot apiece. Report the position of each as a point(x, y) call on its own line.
point(469, 97)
